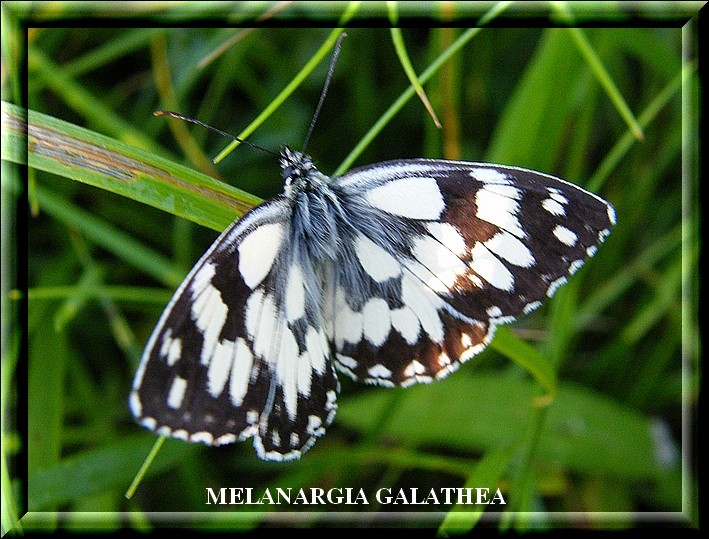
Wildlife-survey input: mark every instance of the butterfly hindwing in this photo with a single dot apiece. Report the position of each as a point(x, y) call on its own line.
point(457, 249)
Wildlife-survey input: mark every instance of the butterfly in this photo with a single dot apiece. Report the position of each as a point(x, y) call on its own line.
point(393, 274)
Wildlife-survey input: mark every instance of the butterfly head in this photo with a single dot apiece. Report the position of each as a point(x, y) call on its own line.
point(299, 172)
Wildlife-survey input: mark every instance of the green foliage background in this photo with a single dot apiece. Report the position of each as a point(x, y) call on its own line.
point(605, 355)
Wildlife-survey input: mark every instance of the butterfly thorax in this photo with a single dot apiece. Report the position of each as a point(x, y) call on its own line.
point(314, 205)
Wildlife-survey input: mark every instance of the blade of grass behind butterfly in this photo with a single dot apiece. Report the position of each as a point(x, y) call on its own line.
point(12, 46)
point(77, 98)
point(407, 94)
point(79, 154)
point(649, 114)
point(110, 51)
point(308, 68)
point(588, 53)
point(398, 40)
point(533, 143)
point(9, 432)
point(168, 98)
point(486, 473)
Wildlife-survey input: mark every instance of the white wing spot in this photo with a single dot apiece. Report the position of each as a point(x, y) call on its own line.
point(295, 294)
point(331, 400)
point(377, 262)
point(414, 368)
point(555, 194)
point(477, 281)
point(202, 278)
point(203, 437)
point(314, 425)
point(553, 207)
point(405, 322)
point(565, 236)
point(415, 373)
point(177, 392)
point(209, 313)
point(149, 423)
point(313, 359)
point(555, 285)
point(304, 375)
point(287, 370)
point(257, 252)
point(376, 321)
point(240, 373)
point(219, 367)
point(498, 209)
point(490, 268)
point(511, 249)
point(531, 306)
point(316, 345)
point(494, 312)
point(347, 361)
point(227, 439)
point(575, 266)
point(379, 371)
point(415, 197)
point(449, 236)
point(136, 407)
point(261, 320)
point(611, 214)
point(171, 349)
point(348, 324)
point(490, 176)
point(424, 305)
point(444, 267)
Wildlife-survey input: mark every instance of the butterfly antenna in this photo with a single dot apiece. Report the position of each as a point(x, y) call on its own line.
point(207, 126)
point(330, 71)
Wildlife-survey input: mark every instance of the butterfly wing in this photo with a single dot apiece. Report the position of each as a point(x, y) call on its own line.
point(235, 354)
point(441, 252)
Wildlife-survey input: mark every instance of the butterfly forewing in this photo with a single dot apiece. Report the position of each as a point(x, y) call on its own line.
point(394, 273)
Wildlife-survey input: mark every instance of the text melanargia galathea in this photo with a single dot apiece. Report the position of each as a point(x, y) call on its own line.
point(394, 273)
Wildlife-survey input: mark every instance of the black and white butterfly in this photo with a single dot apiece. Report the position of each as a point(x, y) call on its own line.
point(394, 273)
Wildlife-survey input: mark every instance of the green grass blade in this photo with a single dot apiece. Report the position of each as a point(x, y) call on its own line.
point(76, 153)
point(83, 102)
point(623, 145)
point(487, 474)
point(400, 46)
point(407, 94)
point(90, 472)
point(308, 68)
point(527, 357)
point(128, 294)
point(606, 81)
